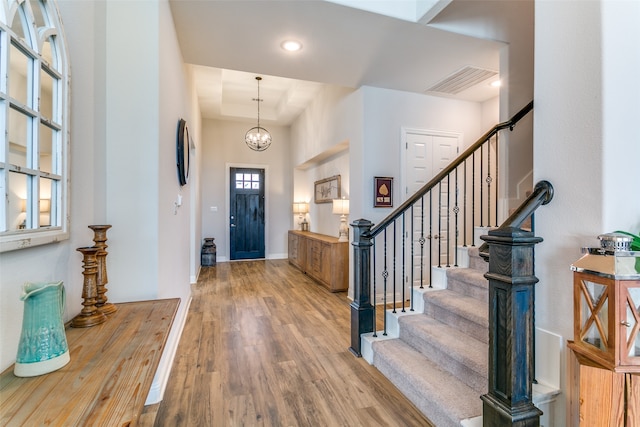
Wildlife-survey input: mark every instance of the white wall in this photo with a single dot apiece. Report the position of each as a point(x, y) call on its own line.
point(223, 144)
point(321, 218)
point(374, 148)
point(482, 19)
point(327, 121)
point(320, 144)
point(126, 97)
point(176, 100)
point(385, 113)
point(370, 120)
point(132, 148)
point(585, 144)
point(490, 113)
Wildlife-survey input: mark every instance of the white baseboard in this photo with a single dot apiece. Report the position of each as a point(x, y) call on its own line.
point(159, 384)
point(194, 279)
point(278, 256)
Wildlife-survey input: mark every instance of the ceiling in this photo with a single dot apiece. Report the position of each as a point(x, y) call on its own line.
point(230, 42)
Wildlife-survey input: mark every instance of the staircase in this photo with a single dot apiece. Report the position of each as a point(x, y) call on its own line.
point(439, 359)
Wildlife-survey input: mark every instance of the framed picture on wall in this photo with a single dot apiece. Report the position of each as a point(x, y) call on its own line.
point(382, 192)
point(325, 190)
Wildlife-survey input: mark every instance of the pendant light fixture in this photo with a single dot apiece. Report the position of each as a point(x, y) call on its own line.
point(258, 138)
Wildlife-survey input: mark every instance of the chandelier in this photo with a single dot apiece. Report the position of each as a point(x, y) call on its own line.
point(258, 138)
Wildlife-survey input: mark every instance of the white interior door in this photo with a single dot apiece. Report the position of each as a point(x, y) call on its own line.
point(426, 153)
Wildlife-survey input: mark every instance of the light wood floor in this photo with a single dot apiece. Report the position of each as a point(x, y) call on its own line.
point(264, 345)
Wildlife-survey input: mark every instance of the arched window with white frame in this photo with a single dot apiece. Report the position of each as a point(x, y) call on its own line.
point(34, 117)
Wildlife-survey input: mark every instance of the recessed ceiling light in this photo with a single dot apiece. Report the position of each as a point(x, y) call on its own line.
point(496, 83)
point(291, 45)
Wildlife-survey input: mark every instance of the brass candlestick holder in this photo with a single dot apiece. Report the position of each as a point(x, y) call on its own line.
point(89, 315)
point(100, 239)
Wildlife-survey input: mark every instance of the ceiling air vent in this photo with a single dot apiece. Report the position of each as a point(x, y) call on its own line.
point(461, 80)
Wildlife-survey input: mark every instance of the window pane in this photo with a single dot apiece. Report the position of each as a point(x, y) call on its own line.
point(239, 177)
point(238, 184)
point(37, 13)
point(255, 177)
point(17, 27)
point(45, 152)
point(255, 185)
point(247, 177)
point(17, 206)
point(46, 95)
point(19, 75)
point(18, 131)
point(47, 52)
point(45, 202)
point(247, 185)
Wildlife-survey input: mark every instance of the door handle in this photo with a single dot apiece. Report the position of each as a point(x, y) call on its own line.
point(233, 225)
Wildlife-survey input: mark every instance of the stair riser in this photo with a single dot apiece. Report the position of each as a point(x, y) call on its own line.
point(478, 263)
point(468, 289)
point(471, 328)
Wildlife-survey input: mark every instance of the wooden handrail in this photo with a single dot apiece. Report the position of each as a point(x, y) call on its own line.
point(450, 168)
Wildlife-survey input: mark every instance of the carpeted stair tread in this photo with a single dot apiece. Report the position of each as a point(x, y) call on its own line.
point(442, 397)
point(449, 347)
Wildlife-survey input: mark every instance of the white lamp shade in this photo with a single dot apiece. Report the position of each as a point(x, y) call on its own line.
point(45, 205)
point(341, 206)
point(300, 207)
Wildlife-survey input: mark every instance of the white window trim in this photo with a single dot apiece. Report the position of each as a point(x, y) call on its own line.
point(19, 239)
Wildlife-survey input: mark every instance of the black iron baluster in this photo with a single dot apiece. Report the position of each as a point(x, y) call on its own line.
point(456, 209)
point(473, 198)
point(448, 220)
point(430, 238)
point(375, 274)
point(385, 276)
point(439, 235)
point(464, 206)
point(481, 186)
point(412, 259)
point(489, 179)
point(395, 238)
point(497, 179)
point(422, 240)
point(404, 261)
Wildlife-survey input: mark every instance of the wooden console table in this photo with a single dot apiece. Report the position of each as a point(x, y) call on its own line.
point(108, 378)
point(321, 257)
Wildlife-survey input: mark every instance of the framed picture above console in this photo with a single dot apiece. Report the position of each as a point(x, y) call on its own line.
point(325, 190)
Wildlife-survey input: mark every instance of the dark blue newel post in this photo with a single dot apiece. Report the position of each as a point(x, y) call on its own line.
point(511, 329)
point(362, 313)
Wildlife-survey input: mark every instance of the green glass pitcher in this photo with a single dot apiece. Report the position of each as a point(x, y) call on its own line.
point(43, 344)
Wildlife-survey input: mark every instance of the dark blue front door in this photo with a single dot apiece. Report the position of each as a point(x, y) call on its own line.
point(246, 213)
